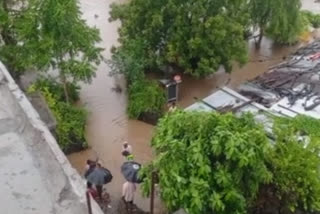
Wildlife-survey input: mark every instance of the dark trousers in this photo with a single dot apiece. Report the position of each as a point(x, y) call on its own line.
point(128, 205)
point(99, 190)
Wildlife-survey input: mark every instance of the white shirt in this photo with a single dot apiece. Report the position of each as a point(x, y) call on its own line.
point(128, 190)
point(128, 149)
point(172, 108)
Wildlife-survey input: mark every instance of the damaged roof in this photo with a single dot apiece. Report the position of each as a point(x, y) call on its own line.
point(291, 87)
point(288, 89)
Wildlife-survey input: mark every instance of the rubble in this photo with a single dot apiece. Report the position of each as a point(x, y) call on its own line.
point(296, 80)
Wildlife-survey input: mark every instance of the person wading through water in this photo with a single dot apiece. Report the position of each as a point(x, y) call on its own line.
point(93, 192)
point(127, 151)
point(128, 191)
point(98, 176)
point(172, 107)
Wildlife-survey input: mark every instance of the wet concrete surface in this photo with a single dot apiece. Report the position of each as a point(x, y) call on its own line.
point(15, 194)
point(108, 125)
point(35, 176)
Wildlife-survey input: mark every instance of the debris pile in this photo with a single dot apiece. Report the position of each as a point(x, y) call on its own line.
point(296, 80)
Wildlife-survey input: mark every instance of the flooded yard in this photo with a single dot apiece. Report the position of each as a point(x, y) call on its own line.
point(108, 126)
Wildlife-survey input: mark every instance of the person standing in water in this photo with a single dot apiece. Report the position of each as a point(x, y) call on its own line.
point(128, 191)
point(127, 151)
point(93, 192)
point(90, 165)
point(173, 107)
point(126, 148)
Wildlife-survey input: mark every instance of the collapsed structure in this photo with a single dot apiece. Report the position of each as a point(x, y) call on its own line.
point(288, 89)
point(292, 86)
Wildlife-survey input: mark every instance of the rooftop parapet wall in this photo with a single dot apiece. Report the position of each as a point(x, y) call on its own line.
point(27, 145)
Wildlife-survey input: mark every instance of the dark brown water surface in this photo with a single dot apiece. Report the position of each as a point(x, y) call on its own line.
point(108, 125)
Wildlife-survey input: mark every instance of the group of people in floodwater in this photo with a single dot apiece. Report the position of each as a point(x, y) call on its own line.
point(96, 176)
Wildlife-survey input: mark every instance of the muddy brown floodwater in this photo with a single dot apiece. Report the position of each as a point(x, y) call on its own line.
point(108, 125)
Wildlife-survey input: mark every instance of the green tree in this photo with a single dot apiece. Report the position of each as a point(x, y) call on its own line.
point(260, 15)
point(129, 61)
point(50, 34)
point(286, 23)
point(71, 120)
point(295, 164)
point(145, 97)
point(73, 48)
point(312, 18)
point(12, 52)
point(209, 163)
point(280, 19)
point(197, 36)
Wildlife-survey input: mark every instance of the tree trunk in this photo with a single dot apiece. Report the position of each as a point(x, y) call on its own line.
point(261, 34)
point(65, 87)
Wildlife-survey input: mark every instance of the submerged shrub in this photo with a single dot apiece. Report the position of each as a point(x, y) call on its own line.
point(145, 97)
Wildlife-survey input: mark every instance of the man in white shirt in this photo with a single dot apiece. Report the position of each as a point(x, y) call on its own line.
point(128, 190)
point(126, 148)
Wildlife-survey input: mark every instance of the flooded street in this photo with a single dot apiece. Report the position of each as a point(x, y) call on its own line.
point(108, 125)
point(259, 61)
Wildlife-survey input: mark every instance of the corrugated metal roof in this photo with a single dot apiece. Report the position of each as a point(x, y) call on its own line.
point(227, 97)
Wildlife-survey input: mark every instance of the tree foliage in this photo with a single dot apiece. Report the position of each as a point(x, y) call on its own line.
point(209, 163)
point(13, 52)
point(295, 163)
point(260, 15)
point(312, 18)
point(145, 97)
point(49, 34)
point(286, 23)
point(197, 36)
point(280, 18)
point(71, 120)
point(129, 61)
point(72, 47)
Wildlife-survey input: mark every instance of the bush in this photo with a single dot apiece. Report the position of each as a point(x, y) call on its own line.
point(212, 163)
point(207, 162)
point(296, 163)
point(71, 126)
point(145, 97)
point(57, 89)
point(313, 19)
point(71, 120)
point(128, 61)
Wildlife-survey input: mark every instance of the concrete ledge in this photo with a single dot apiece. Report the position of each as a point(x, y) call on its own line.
point(64, 184)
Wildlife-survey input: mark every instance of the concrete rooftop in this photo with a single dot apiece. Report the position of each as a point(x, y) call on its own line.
point(35, 176)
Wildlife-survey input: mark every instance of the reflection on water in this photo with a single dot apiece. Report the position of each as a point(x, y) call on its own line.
point(108, 125)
